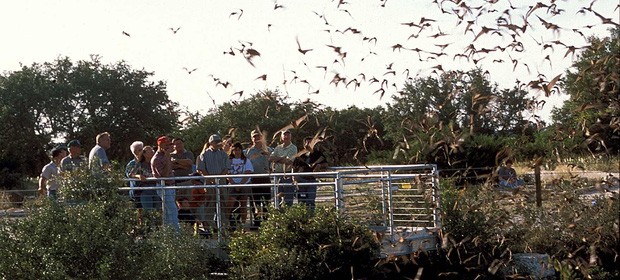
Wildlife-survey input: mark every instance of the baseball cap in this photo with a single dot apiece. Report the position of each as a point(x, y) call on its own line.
point(163, 140)
point(74, 143)
point(215, 138)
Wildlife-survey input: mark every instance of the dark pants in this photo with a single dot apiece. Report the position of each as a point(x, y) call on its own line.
point(186, 216)
point(261, 197)
point(307, 193)
point(287, 190)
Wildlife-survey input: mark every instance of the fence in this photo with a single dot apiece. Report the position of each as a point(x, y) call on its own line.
point(392, 200)
point(389, 199)
point(400, 202)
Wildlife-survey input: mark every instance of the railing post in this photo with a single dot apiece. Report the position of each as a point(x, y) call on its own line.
point(538, 186)
point(383, 199)
point(390, 205)
point(162, 185)
point(339, 193)
point(436, 196)
point(218, 211)
point(274, 192)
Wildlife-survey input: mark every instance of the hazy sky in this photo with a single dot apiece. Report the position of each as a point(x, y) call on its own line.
point(41, 31)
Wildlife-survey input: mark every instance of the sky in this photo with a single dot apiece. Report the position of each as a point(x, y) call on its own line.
point(190, 44)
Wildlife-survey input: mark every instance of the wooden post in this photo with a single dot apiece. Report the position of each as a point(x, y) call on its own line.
point(538, 186)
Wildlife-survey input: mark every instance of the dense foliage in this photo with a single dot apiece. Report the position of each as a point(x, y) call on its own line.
point(591, 113)
point(97, 237)
point(77, 100)
point(298, 244)
point(484, 227)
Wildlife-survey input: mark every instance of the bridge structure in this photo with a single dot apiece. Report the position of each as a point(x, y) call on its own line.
point(399, 203)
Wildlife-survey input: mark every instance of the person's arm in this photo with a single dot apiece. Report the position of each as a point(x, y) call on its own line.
point(501, 173)
point(105, 162)
point(42, 185)
point(63, 166)
point(131, 171)
point(290, 155)
point(227, 163)
point(200, 165)
point(46, 174)
point(275, 156)
point(276, 159)
point(249, 169)
point(513, 175)
point(182, 163)
point(320, 163)
point(320, 167)
point(102, 159)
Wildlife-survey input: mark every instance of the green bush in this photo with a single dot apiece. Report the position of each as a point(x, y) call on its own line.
point(296, 244)
point(168, 255)
point(97, 238)
point(483, 227)
point(82, 185)
point(582, 236)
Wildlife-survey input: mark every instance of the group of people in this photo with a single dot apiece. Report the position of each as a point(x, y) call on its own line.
point(71, 158)
point(220, 156)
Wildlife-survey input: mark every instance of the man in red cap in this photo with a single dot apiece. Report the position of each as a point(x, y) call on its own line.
point(162, 168)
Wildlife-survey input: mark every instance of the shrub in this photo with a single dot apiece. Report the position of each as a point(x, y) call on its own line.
point(82, 185)
point(296, 244)
point(472, 223)
point(168, 255)
point(97, 238)
point(581, 235)
point(483, 227)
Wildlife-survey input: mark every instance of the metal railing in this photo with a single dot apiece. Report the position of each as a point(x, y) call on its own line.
point(388, 198)
point(394, 198)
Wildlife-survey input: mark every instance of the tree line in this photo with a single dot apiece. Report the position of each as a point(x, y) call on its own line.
point(458, 119)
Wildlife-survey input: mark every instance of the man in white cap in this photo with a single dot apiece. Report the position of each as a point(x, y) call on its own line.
point(214, 161)
point(283, 156)
point(258, 154)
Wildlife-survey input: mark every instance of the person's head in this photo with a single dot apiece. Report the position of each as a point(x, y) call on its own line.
point(164, 144)
point(286, 137)
point(75, 147)
point(104, 140)
point(215, 141)
point(179, 145)
point(236, 151)
point(58, 153)
point(147, 153)
point(136, 148)
point(509, 162)
point(257, 137)
point(307, 142)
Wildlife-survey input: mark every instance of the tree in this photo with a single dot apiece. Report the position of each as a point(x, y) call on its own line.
point(267, 109)
point(70, 100)
point(593, 106)
point(271, 112)
point(353, 133)
point(433, 117)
